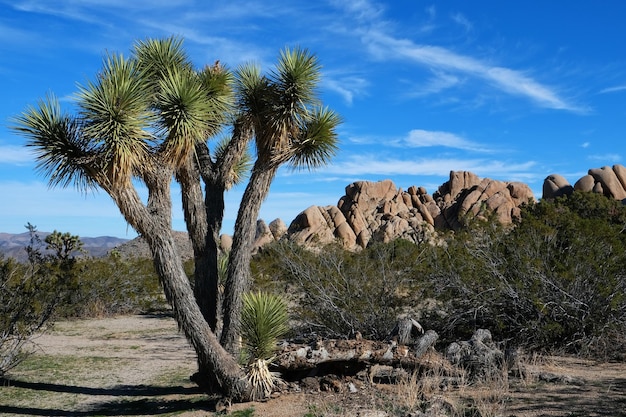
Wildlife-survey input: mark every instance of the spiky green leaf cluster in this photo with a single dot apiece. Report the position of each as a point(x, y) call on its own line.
point(284, 112)
point(116, 115)
point(263, 321)
point(140, 111)
point(61, 151)
point(318, 142)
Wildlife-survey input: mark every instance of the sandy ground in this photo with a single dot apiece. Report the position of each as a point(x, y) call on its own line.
point(140, 365)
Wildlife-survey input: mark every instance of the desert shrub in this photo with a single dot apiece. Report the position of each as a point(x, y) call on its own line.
point(29, 294)
point(113, 285)
point(339, 293)
point(554, 282)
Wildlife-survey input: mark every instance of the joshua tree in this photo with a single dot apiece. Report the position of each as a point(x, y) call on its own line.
point(147, 119)
point(289, 126)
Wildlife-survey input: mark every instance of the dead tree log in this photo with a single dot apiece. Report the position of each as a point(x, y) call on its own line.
point(300, 357)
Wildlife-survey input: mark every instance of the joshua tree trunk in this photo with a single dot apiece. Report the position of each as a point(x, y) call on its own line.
point(204, 228)
point(153, 223)
point(202, 240)
point(238, 279)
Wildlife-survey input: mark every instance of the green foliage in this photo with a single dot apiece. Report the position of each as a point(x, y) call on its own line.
point(112, 285)
point(554, 282)
point(63, 244)
point(341, 293)
point(29, 294)
point(263, 321)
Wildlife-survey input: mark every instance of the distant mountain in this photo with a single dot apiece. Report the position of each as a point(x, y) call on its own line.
point(12, 245)
point(138, 247)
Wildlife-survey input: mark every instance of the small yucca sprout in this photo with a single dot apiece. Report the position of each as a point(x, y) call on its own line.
point(263, 322)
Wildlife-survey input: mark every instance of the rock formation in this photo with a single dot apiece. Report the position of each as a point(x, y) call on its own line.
point(610, 181)
point(379, 212)
point(465, 194)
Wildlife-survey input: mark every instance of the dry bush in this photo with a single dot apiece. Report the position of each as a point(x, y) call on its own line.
point(29, 295)
point(339, 293)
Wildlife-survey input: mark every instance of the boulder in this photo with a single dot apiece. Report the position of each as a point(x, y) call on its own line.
point(585, 184)
point(482, 198)
point(620, 171)
point(380, 212)
point(262, 236)
point(611, 184)
point(312, 227)
point(226, 242)
point(610, 181)
point(555, 186)
point(278, 228)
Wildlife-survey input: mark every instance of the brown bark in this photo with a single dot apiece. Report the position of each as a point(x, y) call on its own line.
point(203, 242)
point(204, 230)
point(238, 279)
point(154, 224)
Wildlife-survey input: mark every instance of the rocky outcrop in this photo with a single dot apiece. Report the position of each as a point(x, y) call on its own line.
point(466, 195)
point(268, 233)
point(379, 212)
point(610, 181)
point(555, 186)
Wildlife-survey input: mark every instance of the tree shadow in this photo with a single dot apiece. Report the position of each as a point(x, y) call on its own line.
point(601, 398)
point(121, 407)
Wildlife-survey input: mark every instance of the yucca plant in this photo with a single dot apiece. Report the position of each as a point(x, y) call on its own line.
point(263, 322)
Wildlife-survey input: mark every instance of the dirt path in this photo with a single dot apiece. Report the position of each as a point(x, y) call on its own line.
point(140, 365)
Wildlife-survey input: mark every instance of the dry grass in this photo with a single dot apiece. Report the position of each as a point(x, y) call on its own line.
point(141, 366)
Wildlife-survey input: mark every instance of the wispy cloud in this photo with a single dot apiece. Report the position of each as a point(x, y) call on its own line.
point(383, 45)
point(15, 155)
point(347, 86)
point(363, 10)
point(362, 165)
point(460, 19)
point(510, 81)
point(607, 157)
point(615, 89)
point(441, 80)
point(419, 138)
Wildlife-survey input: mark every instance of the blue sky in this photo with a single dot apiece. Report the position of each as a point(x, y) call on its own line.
point(510, 90)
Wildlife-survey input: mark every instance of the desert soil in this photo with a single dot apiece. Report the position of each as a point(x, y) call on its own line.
point(140, 365)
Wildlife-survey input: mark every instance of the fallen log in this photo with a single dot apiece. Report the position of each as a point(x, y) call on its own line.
point(301, 357)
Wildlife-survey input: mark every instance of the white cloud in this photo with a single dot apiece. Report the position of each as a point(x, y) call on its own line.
point(615, 89)
point(514, 82)
point(608, 157)
point(362, 10)
point(348, 87)
point(442, 80)
point(462, 20)
point(360, 165)
point(424, 138)
point(419, 138)
point(16, 155)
